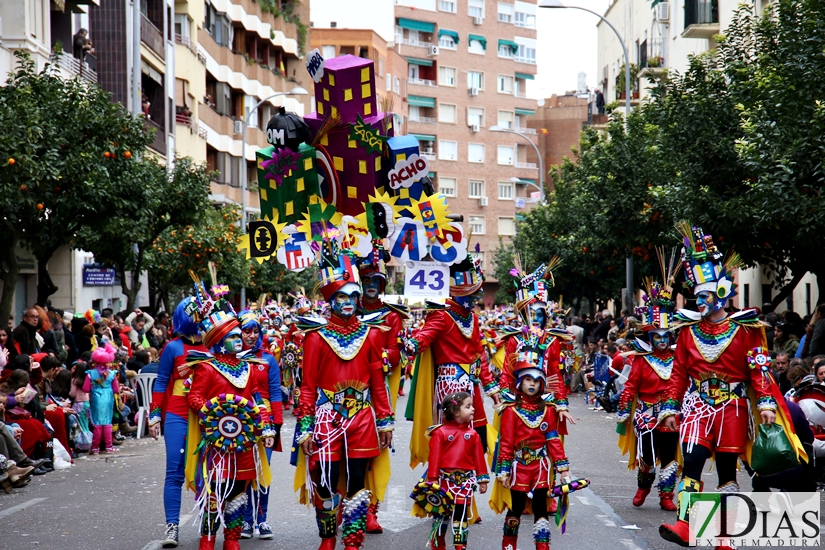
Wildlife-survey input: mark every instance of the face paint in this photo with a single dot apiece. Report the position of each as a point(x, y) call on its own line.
point(372, 287)
point(530, 386)
point(660, 341)
point(707, 303)
point(467, 302)
point(232, 343)
point(539, 317)
point(345, 304)
point(250, 337)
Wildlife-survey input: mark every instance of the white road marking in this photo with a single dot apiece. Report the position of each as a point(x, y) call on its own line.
point(154, 545)
point(184, 520)
point(23, 506)
point(607, 521)
point(584, 500)
point(629, 544)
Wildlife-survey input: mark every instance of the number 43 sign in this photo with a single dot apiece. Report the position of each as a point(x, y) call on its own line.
point(427, 280)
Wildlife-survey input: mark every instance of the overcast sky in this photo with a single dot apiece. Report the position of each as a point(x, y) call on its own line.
point(567, 45)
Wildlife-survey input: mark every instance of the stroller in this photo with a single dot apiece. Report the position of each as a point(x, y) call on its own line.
point(601, 380)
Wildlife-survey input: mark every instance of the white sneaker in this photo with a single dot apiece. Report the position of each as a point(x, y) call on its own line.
point(60, 464)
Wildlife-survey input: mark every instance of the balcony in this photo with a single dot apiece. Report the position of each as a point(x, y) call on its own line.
point(527, 165)
point(152, 37)
point(652, 58)
point(525, 130)
point(428, 154)
point(413, 42)
point(701, 19)
point(528, 60)
point(74, 67)
point(423, 119)
point(422, 82)
point(159, 143)
point(187, 42)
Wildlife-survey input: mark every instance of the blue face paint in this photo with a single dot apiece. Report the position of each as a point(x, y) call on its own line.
point(345, 305)
point(372, 286)
point(539, 317)
point(232, 343)
point(707, 303)
point(660, 340)
point(467, 302)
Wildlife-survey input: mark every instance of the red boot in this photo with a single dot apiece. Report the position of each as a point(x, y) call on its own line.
point(231, 545)
point(542, 546)
point(509, 543)
point(373, 527)
point(327, 544)
point(678, 533)
point(666, 501)
point(207, 543)
point(439, 543)
point(641, 495)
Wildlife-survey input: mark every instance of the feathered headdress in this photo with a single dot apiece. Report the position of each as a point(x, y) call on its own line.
point(218, 316)
point(658, 304)
point(705, 267)
point(532, 288)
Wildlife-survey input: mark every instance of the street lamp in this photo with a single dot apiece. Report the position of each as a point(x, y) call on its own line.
point(556, 4)
point(298, 90)
point(497, 128)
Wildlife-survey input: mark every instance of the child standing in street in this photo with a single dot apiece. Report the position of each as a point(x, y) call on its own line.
point(457, 464)
point(530, 452)
point(101, 385)
point(80, 398)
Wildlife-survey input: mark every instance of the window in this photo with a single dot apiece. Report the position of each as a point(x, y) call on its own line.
point(475, 79)
point(446, 5)
point(447, 150)
point(526, 54)
point(396, 85)
point(505, 12)
point(505, 51)
point(475, 8)
point(506, 226)
point(446, 113)
point(413, 72)
point(182, 25)
point(446, 76)
point(328, 52)
point(475, 152)
point(505, 190)
point(505, 84)
point(389, 82)
point(506, 154)
point(525, 20)
point(477, 225)
point(380, 65)
point(445, 41)
point(248, 103)
point(476, 191)
point(447, 186)
point(475, 46)
point(505, 119)
point(475, 117)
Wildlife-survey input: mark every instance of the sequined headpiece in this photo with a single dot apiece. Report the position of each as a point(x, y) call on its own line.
point(705, 267)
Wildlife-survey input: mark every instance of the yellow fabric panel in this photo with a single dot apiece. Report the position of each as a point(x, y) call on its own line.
point(352, 144)
point(366, 90)
point(178, 388)
point(400, 156)
point(378, 163)
point(365, 74)
point(262, 191)
point(325, 139)
point(348, 94)
point(289, 209)
point(352, 192)
point(362, 167)
point(326, 94)
point(338, 162)
point(299, 184)
point(367, 109)
point(307, 164)
point(424, 413)
point(334, 111)
point(331, 79)
point(320, 108)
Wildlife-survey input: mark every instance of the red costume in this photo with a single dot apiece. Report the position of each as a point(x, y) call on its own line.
point(454, 335)
point(456, 448)
point(550, 365)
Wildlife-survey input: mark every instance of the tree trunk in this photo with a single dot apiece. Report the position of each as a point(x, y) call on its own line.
point(130, 293)
point(45, 286)
point(787, 290)
point(9, 270)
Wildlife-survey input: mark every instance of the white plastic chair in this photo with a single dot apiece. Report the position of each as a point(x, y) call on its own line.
point(144, 399)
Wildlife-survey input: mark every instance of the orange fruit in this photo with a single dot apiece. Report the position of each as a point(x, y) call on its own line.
point(12, 161)
point(107, 154)
point(40, 206)
point(127, 154)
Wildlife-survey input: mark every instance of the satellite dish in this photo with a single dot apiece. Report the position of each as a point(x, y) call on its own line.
point(540, 102)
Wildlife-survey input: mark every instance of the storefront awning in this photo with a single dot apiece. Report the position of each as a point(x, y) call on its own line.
point(424, 137)
point(479, 38)
point(421, 101)
point(419, 61)
point(509, 43)
point(451, 34)
point(526, 76)
point(525, 112)
point(416, 25)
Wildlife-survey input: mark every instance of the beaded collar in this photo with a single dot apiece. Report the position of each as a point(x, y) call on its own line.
point(345, 339)
point(378, 306)
point(661, 365)
point(463, 319)
point(234, 369)
point(530, 412)
point(712, 339)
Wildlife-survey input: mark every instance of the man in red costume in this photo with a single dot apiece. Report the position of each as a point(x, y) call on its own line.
point(712, 352)
point(345, 412)
point(374, 281)
point(453, 333)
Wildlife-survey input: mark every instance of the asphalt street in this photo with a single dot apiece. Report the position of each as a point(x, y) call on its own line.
point(116, 502)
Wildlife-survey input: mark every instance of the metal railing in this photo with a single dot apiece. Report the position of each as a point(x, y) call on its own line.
point(152, 37)
point(159, 143)
point(428, 154)
point(521, 59)
point(530, 165)
point(422, 82)
point(524, 24)
point(423, 119)
point(416, 43)
point(202, 133)
point(520, 93)
point(525, 130)
point(75, 67)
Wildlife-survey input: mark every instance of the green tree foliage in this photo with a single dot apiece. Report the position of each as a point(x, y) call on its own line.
point(734, 144)
point(157, 201)
point(64, 146)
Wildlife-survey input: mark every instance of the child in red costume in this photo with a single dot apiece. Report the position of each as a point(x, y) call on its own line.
point(530, 447)
point(457, 461)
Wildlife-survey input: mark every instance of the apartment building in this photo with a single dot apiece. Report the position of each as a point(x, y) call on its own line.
point(239, 54)
point(390, 66)
point(559, 121)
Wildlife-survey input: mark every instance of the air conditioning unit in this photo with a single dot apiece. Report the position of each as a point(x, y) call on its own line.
point(433, 51)
point(483, 201)
point(473, 92)
point(478, 20)
point(474, 127)
point(663, 11)
point(238, 126)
